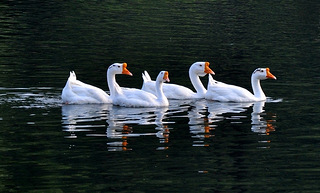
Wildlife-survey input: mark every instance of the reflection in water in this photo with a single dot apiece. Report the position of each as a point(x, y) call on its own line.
point(204, 113)
point(120, 118)
point(163, 131)
point(80, 118)
point(41, 42)
point(33, 97)
point(259, 124)
point(198, 123)
point(218, 109)
point(123, 123)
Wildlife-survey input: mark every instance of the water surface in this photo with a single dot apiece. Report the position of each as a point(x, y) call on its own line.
point(190, 146)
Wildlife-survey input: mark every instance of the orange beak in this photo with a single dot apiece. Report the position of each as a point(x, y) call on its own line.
point(166, 76)
point(207, 69)
point(125, 70)
point(269, 75)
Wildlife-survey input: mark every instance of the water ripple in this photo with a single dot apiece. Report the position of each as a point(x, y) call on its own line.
point(33, 97)
point(120, 123)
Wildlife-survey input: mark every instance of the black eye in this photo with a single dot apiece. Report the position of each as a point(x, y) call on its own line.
point(118, 66)
point(201, 65)
point(262, 70)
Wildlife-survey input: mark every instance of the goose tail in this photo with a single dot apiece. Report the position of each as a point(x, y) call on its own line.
point(146, 77)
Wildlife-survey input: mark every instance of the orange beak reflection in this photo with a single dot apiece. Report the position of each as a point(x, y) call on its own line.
point(125, 70)
point(207, 69)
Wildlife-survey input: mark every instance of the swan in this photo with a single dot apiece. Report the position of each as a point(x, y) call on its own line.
point(220, 91)
point(77, 92)
point(174, 91)
point(129, 97)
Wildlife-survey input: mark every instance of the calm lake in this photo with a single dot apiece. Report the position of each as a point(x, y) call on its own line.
point(190, 146)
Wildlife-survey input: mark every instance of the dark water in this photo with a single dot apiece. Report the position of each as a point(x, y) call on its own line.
point(191, 146)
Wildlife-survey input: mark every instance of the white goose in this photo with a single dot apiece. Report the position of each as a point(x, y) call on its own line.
point(77, 92)
point(174, 91)
point(220, 91)
point(128, 97)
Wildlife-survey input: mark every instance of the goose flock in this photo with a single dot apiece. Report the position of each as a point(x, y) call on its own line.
point(156, 93)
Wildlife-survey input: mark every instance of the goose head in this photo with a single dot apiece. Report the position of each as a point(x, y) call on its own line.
point(262, 74)
point(201, 68)
point(163, 76)
point(119, 68)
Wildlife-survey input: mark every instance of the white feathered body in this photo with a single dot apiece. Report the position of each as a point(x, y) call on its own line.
point(77, 92)
point(220, 91)
point(171, 91)
point(175, 91)
point(132, 97)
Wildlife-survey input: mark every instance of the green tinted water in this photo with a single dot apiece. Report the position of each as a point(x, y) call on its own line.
point(191, 146)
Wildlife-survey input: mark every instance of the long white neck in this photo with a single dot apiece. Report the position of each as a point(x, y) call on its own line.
point(159, 91)
point(112, 84)
point(197, 84)
point(257, 90)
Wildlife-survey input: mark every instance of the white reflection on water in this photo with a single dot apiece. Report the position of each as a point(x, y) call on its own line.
point(33, 97)
point(205, 115)
point(118, 125)
point(122, 123)
point(198, 123)
point(259, 124)
point(80, 118)
point(218, 109)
